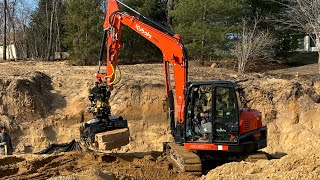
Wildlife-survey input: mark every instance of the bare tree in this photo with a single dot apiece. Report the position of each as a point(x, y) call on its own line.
point(252, 45)
point(11, 14)
point(170, 5)
point(304, 14)
point(52, 18)
point(22, 17)
point(5, 31)
point(18, 15)
point(58, 38)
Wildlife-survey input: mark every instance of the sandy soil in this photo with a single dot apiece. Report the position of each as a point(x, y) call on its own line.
point(84, 165)
point(44, 102)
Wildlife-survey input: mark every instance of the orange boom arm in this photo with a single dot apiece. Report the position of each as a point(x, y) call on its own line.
point(170, 44)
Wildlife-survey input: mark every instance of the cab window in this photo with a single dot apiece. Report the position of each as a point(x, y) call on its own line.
point(225, 102)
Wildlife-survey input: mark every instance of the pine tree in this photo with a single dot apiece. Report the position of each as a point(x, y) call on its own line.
point(137, 49)
point(84, 21)
point(205, 24)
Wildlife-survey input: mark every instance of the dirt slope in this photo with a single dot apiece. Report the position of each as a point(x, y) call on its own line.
point(43, 102)
point(77, 165)
point(292, 166)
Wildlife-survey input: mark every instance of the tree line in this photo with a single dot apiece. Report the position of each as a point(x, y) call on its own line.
point(211, 29)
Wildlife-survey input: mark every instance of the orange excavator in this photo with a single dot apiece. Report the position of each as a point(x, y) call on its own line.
point(205, 117)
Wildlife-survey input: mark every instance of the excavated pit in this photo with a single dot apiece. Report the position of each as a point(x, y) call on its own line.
point(44, 103)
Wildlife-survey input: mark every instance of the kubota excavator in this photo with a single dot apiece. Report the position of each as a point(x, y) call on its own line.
point(205, 117)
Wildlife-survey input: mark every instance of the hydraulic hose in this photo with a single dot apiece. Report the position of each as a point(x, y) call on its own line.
point(103, 45)
point(116, 80)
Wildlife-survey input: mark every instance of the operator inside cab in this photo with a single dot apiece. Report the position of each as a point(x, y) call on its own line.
point(205, 106)
point(203, 112)
point(221, 106)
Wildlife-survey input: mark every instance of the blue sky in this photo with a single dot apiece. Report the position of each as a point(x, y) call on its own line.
point(32, 3)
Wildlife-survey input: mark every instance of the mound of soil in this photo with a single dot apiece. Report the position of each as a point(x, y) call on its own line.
point(44, 103)
point(76, 165)
point(293, 166)
point(27, 98)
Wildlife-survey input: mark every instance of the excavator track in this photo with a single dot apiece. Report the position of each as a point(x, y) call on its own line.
point(185, 160)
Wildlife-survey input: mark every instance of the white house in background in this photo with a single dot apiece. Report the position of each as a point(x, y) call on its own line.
point(310, 44)
point(11, 52)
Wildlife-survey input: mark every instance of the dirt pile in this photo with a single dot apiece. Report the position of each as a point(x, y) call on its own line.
point(43, 103)
point(27, 98)
point(293, 166)
point(24, 100)
point(77, 165)
point(290, 109)
point(35, 103)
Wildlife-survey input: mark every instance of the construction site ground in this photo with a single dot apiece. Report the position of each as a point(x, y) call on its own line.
point(44, 102)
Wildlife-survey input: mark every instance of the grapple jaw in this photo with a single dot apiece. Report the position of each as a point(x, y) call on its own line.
point(89, 129)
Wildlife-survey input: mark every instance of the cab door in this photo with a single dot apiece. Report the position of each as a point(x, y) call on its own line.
point(225, 123)
point(198, 115)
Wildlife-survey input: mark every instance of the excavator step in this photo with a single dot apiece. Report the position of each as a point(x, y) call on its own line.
point(186, 160)
point(112, 139)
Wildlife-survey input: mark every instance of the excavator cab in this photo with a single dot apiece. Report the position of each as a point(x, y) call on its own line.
point(212, 114)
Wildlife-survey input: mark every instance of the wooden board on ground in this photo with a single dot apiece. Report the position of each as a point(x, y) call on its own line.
point(112, 139)
point(113, 144)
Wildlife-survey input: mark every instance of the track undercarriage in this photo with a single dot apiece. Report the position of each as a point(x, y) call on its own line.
point(193, 162)
point(186, 160)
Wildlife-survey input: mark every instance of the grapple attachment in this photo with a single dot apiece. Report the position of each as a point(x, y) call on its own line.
point(104, 124)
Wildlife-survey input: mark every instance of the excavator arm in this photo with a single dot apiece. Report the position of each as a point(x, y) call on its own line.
point(169, 43)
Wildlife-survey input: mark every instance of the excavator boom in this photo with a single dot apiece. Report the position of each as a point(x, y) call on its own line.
point(170, 44)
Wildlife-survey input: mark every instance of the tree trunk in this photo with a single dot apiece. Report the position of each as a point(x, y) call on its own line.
point(45, 52)
point(318, 61)
point(317, 42)
point(11, 17)
point(58, 43)
point(169, 8)
point(5, 31)
point(51, 30)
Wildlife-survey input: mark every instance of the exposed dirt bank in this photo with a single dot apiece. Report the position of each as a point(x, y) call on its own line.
point(42, 103)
